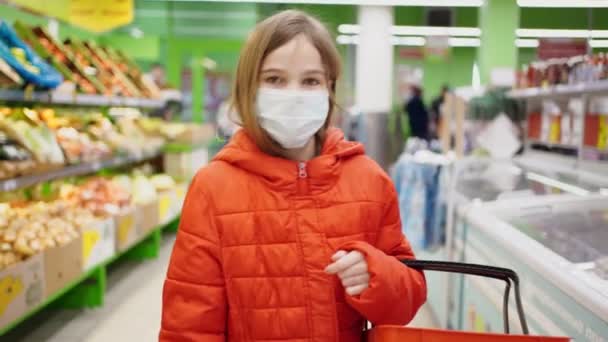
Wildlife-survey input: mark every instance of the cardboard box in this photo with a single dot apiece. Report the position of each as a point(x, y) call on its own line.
point(98, 243)
point(21, 288)
point(181, 190)
point(149, 216)
point(184, 165)
point(62, 265)
point(128, 229)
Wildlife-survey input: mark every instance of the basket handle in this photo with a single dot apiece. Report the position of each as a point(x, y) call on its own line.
point(499, 273)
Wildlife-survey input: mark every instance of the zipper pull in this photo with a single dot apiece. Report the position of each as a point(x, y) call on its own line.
point(302, 170)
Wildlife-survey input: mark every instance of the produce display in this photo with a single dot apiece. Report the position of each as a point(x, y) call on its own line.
point(178, 132)
point(25, 62)
point(100, 196)
point(36, 222)
point(14, 159)
point(31, 229)
point(23, 126)
point(92, 69)
point(8, 76)
point(581, 69)
point(37, 139)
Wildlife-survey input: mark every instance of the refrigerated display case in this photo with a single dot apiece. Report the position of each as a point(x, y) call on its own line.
point(483, 180)
point(559, 247)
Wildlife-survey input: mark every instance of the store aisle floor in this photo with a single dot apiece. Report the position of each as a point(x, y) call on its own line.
point(131, 312)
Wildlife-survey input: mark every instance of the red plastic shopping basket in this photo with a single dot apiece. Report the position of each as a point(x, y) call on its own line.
point(398, 333)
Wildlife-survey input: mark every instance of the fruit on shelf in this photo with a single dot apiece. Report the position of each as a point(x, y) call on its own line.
point(19, 54)
point(99, 195)
point(22, 126)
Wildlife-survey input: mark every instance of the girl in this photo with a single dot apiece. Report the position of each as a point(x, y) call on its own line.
point(291, 233)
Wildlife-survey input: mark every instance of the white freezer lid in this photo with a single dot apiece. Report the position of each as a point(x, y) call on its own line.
point(491, 180)
point(586, 288)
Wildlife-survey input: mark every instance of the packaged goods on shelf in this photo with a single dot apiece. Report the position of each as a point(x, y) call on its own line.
point(575, 70)
point(25, 62)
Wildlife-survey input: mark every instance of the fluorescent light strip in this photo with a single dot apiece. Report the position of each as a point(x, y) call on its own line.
point(464, 42)
point(408, 41)
point(422, 3)
point(551, 33)
point(563, 3)
point(435, 31)
point(599, 43)
point(411, 41)
point(419, 30)
point(557, 184)
point(526, 43)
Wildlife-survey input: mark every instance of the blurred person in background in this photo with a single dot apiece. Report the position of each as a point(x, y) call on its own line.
point(436, 111)
point(417, 113)
point(291, 233)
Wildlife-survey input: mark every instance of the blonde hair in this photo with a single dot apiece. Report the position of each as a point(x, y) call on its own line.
point(268, 36)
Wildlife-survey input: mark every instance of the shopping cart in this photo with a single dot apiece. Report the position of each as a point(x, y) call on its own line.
point(398, 333)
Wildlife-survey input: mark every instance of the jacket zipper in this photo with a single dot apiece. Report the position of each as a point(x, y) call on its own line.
point(302, 178)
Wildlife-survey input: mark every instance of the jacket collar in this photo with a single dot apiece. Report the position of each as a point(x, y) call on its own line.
point(282, 174)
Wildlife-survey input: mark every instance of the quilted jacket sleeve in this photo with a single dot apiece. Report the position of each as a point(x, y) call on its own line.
point(194, 296)
point(395, 291)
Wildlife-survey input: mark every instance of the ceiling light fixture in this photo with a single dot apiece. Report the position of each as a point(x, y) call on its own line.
point(526, 43)
point(464, 42)
point(563, 3)
point(419, 30)
point(412, 41)
point(553, 33)
point(422, 3)
point(408, 41)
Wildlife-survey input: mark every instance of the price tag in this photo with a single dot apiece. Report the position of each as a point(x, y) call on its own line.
point(602, 136)
point(89, 240)
point(125, 226)
point(555, 131)
point(164, 204)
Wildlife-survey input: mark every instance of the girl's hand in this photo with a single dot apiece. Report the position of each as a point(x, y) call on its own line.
point(351, 268)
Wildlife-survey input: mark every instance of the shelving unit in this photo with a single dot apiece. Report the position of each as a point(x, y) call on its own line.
point(585, 92)
point(73, 170)
point(561, 91)
point(80, 100)
point(89, 289)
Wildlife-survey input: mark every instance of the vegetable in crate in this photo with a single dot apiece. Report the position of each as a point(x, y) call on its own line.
point(32, 228)
point(8, 76)
point(24, 61)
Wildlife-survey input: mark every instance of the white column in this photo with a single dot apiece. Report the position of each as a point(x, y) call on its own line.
point(374, 64)
point(374, 80)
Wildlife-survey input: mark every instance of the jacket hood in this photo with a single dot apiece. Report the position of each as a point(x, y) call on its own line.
point(322, 171)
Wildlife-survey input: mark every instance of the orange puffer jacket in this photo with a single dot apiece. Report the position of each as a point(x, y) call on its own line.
point(256, 234)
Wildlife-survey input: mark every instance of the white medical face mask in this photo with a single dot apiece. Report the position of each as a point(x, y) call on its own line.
point(292, 117)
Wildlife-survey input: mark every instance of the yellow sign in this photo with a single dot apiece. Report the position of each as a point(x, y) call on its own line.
point(89, 240)
point(164, 204)
point(10, 288)
point(93, 15)
point(125, 226)
point(602, 137)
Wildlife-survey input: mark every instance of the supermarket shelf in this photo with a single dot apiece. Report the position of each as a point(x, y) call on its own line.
point(73, 170)
point(595, 88)
point(78, 99)
point(151, 240)
point(552, 145)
